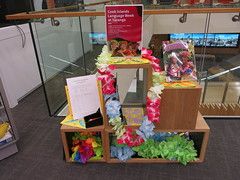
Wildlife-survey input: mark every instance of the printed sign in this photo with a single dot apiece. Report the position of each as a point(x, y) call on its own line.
point(124, 24)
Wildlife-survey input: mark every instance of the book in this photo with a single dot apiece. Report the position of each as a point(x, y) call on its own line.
point(6, 138)
point(124, 26)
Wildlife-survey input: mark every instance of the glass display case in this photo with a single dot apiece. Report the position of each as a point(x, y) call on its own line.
point(69, 37)
point(8, 132)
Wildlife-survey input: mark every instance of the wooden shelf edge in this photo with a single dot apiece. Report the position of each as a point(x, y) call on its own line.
point(145, 160)
point(89, 161)
point(65, 128)
point(36, 15)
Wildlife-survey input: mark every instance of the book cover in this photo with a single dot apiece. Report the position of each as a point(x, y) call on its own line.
point(124, 25)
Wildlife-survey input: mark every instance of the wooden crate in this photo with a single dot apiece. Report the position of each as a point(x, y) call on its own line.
point(68, 129)
point(146, 66)
point(179, 108)
point(200, 128)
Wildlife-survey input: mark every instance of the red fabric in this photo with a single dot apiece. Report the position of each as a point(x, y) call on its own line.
point(153, 109)
point(153, 61)
point(130, 138)
point(107, 79)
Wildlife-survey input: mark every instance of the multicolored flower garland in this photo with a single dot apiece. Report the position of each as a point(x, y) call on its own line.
point(144, 141)
point(128, 136)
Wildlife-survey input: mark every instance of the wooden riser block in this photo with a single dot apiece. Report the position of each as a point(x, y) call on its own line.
point(201, 127)
point(179, 108)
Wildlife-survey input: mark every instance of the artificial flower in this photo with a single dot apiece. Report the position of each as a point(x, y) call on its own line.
point(122, 153)
point(161, 136)
point(112, 105)
point(118, 126)
point(113, 108)
point(130, 138)
point(146, 129)
point(178, 148)
point(103, 58)
point(158, 78)
point(155, 91)
point(148, 149)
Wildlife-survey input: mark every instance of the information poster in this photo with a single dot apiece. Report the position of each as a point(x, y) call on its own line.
point(124, 25)
point(83, 94)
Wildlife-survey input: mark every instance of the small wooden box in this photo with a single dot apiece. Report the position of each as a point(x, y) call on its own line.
point(199, 134)
point(179, 108)
point(66, 144)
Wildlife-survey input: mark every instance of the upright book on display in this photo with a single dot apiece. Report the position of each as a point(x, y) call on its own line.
point(124, 26)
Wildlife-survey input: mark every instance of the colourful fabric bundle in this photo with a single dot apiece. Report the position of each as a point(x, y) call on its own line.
point(118, 126)
point(161, 136)
point(146, 129)
point(107, 79)
point(86, 146)
point(112, 105)
point(153, 109)
point(153, 60)
point(122, 153)
point(130, 138)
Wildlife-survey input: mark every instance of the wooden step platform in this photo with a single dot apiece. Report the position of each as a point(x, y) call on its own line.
point(199, 134)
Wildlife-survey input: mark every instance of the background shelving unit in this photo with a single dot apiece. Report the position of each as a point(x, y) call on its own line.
point(8, 146)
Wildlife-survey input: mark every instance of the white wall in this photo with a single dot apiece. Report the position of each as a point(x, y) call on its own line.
point(18, 65)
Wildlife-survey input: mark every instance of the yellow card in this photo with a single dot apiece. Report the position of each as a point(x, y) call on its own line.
point(68, 101)
point(125, 60)
point(69, 121)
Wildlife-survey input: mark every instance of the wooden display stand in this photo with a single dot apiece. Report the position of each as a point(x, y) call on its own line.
point(179, 108)
point(200, 133)
point(179, 113)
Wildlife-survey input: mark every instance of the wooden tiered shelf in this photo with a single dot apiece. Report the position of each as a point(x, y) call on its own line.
point(201, 127)
point(179, 109)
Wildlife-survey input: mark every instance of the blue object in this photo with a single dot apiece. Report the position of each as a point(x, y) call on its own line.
point(161, 136)
point(146, 129)
point(122, 153)
point(112, 105)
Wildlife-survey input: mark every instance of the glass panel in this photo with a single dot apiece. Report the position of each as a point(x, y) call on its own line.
point(132, 93)
point(94, 38)
point(221, 62)
point(61, 56)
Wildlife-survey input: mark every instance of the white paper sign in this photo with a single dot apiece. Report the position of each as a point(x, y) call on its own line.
point(83, 92)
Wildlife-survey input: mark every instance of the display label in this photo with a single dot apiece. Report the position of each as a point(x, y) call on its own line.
point(124, 24)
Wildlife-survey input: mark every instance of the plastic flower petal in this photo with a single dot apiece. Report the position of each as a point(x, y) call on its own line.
point(122, 153)
point(146, 129)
